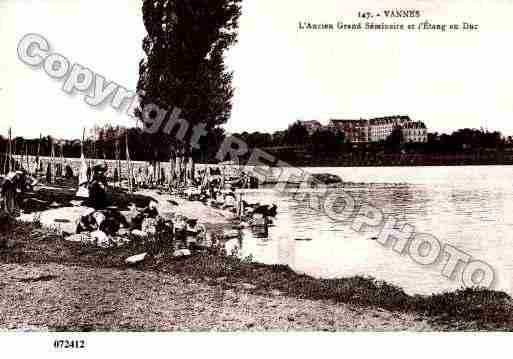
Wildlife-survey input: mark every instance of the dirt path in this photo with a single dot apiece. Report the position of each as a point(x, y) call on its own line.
point(57, 297)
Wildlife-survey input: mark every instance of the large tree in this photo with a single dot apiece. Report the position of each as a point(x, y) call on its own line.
point(395, 140)
point(296, 134)
point(184, 66)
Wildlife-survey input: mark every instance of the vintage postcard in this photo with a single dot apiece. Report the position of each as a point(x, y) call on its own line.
point(255, 166)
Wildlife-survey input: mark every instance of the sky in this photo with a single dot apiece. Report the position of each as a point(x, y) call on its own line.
point(281, 73)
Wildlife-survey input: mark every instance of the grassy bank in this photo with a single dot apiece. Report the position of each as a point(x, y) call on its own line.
point(470, 309)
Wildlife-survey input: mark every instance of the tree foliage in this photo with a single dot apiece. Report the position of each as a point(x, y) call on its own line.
point(395, 140)
point(297, 134)
point(184, 66)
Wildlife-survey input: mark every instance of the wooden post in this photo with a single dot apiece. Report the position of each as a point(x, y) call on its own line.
point(13, 156)
point(10, 168)
point(223, 177)
point(171, 170)
point(27, 158)
point(7, 161)
point(82, 142)
point(38, 152)
point(117, 162)
point(178, 169)
point(52, 158)
point(129, 165)
point(240, 207)
point(94, 151)
point(193, 170)
point(21, 158)
point(63, 171)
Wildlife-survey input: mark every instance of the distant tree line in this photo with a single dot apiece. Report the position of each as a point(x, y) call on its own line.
point(295, 144)
point(109, 142)
point(465, 140)
point(296, 135)
point(328, 140)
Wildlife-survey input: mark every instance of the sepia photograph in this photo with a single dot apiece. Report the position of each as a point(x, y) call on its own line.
point(236, 166)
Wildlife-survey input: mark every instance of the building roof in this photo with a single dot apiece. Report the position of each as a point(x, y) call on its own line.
point(389, 119)
point(372, 121)
point(348, 122)
point(311, 123)
point(414, 125)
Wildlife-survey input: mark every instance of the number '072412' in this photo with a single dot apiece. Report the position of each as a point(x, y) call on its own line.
point(69, 344)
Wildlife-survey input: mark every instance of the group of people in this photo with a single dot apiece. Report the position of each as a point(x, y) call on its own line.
point(219, 191)
point(102, 220)
point(210, 185)
point(21, 177)
point(147, 224)
point(13, 186)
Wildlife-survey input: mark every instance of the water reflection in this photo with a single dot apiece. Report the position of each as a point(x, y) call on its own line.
point(470, 209)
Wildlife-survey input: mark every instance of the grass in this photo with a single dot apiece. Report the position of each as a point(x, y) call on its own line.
point(482, 309)
point(466, 309)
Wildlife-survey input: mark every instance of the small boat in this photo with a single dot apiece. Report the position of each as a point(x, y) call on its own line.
point(303, 239)
point(326, 179)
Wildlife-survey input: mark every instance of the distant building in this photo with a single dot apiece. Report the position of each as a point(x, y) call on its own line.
point(311, 126)
point(356, 131)
point(415, 132)
point(382, 127)
point(378, 129)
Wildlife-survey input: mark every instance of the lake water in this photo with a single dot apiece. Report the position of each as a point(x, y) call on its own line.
point(470, 208)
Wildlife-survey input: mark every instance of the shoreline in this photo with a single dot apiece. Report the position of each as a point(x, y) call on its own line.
point(38, 244)
point(463, 310)
point(313, 163)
